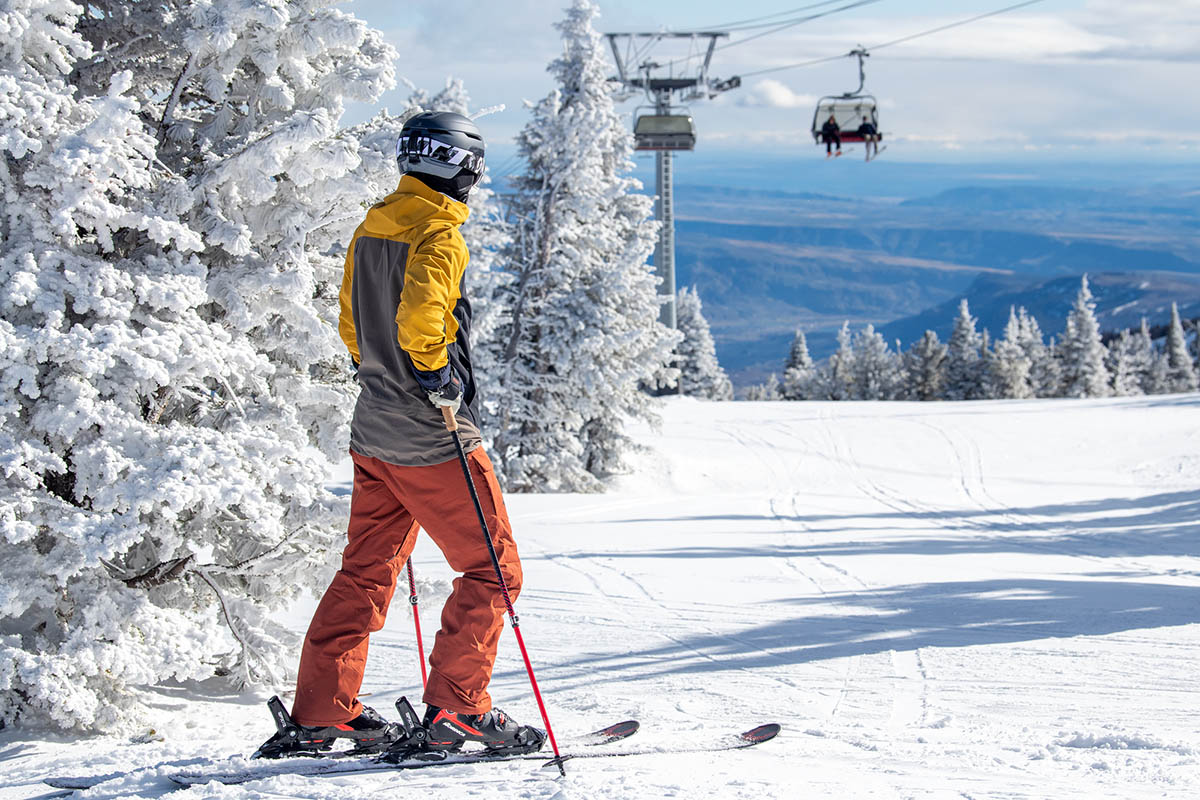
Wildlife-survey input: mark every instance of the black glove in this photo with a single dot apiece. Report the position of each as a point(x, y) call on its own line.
point(443, 386)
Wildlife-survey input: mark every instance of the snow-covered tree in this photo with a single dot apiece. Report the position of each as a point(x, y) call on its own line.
point(700, 374)
point(1045, 377)
point(174, 188)
point(874, 371)
point(799, 371)
point(835, 380)
point(583, 332)
point(1081, 352)
point(965, 379)
point(765, 391)
point(925, 368)
point(1126, 364)
point(1181, 373)
point(1010, 364)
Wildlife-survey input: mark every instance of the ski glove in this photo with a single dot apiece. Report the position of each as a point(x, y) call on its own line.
point(444, 388)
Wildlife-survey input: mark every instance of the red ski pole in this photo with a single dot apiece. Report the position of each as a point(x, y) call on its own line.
point(452, 427)
point(412, 599)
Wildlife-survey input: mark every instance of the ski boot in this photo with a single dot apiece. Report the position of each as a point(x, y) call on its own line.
point(499, 733)
point(369, 733)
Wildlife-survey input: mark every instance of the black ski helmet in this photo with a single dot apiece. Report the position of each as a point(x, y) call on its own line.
point(444, 149)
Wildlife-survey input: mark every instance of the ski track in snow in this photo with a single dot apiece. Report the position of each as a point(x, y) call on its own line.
point(944, 600)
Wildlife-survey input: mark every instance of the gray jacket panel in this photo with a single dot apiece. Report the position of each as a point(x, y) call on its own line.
point(393, 418)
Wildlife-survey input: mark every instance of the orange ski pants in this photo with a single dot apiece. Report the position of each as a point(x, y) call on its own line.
point(388, 504)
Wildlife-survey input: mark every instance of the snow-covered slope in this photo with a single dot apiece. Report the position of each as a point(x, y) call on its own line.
point(977, 600)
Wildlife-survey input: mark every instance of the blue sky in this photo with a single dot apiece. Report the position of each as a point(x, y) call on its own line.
point(1084, 80)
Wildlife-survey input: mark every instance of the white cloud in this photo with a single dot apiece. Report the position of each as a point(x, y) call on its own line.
point(774, 94)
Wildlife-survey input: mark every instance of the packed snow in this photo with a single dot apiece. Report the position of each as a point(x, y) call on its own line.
point(936, 600)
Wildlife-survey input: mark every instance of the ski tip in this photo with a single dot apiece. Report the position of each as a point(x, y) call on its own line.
point(761, 734)
point(612, 733)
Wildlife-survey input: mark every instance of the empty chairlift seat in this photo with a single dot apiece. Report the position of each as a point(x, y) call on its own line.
point(665, 132)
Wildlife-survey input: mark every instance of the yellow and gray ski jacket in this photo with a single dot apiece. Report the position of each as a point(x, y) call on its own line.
point(402, 306)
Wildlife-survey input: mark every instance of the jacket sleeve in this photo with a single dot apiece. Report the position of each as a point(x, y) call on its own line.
point(425, 324)
point(346, 315)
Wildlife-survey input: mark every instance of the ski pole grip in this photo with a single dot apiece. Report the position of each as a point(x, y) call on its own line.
point(448, 416)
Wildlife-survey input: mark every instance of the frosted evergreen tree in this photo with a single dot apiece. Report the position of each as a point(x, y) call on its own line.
point(1127, 364)
point(925, 368)
point(1045, 376)
point(1010, 364)
point(765, 391)
point(176, 389)
point(875, 372)
point(965, 377)
point(1181, 373)
point(837, 378)
point(583, 334)
point(700, 374)
point(1143, 357)
point(799, 372)
point(1081, 352)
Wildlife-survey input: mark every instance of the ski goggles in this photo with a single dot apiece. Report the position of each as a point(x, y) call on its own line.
point(432, 152)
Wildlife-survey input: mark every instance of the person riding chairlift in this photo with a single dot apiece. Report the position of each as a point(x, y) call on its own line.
point(832, 135)
point(870, 137)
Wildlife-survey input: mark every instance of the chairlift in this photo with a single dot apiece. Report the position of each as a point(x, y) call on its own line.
point(849, 110)
point(664, 132)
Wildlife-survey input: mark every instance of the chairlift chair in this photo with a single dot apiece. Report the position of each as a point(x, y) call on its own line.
point(849, 109)
point(664, 132)
point(848, 112)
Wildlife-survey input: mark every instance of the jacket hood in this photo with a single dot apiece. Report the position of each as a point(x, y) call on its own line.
point(412, 204)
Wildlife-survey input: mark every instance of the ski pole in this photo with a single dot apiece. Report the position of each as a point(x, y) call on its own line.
point(412, 599)
point(452, 427)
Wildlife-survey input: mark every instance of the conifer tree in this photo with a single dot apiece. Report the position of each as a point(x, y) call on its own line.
point(583, 332)
point(700, 374)
point(1123, 365)
point(176, 387)
point(765, 391)
point(1081, 353)
point(837, 378)
point(799, 372)
point(1010, 364)
point(925, 368)
point(964, 359)
point(1044, 374)
point(1181, 373)
point(874, 370)
point(1144, 357)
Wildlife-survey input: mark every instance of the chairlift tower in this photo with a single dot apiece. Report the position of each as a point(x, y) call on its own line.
point(665, 132)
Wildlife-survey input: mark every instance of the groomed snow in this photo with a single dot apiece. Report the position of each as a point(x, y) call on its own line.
point(939, 600)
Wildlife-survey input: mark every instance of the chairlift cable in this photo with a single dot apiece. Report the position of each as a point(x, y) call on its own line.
point(756, 22)
point(908, 38)
point(776, 27)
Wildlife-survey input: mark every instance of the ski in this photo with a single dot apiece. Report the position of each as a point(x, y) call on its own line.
point(322, 769)
point(327, 763)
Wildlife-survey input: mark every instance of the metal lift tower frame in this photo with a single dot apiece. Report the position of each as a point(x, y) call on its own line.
point(660, 90)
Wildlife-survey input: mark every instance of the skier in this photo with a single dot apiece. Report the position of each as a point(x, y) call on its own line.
point(831, 134)
point(870, 136)
point(406, 325)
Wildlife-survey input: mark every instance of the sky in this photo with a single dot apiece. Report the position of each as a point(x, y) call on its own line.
point(1085, 80)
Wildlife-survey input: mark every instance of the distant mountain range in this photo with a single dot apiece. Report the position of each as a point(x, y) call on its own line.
point(766, 262)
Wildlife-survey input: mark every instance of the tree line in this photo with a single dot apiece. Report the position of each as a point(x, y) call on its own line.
point(1081, 362)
